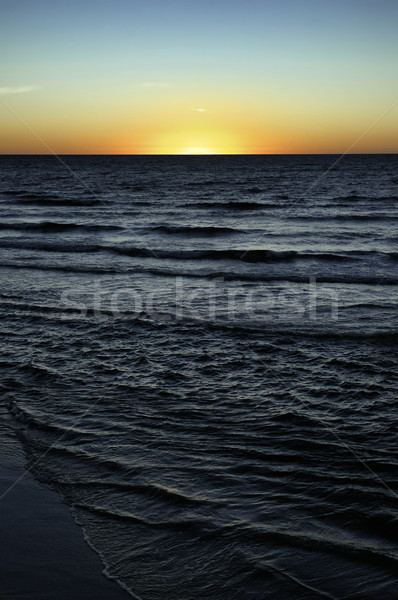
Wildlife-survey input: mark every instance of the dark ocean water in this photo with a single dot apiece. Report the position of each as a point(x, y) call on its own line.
point(199, 353)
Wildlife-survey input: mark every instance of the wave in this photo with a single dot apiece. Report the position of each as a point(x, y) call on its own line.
point(26, 197)
point(254, 190)
point(261, 532)
point(62, 246)
point(213, 182)
point(356, 197)
point(22, 194)
point(51, 227)
point(240, 254)
point(253, 205)
point(344, 217)
point(195, 230)
point(371, 305)
point(345, 279)
point(198, 527)
point(245, 255)
point(263, 256)
point(233, 205)
point(63, 202)
point(209, 183)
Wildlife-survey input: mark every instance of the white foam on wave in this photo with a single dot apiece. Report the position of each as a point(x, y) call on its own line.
point(106, 570)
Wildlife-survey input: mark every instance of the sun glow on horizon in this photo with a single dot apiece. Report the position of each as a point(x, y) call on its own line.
point(197, 150)
point(185, 139)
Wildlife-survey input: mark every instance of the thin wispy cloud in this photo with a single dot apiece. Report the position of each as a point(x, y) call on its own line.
point(199, 109)
point(17, 89)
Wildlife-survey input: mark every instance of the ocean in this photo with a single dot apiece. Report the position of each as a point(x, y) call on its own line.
point(199, 354)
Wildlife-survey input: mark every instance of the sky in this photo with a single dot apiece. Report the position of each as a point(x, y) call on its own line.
point(198, 77)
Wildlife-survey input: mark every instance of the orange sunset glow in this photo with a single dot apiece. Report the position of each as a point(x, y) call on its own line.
point(258, 82)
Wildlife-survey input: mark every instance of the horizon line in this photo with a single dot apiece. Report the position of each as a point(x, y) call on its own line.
point(2, 154)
